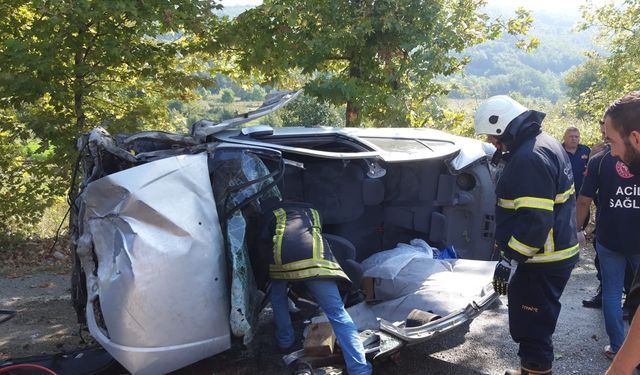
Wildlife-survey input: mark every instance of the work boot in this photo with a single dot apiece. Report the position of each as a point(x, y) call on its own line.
point(530, 368)
point(524, 371)
point(595, 302)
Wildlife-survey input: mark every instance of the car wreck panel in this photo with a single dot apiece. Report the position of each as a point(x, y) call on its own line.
point(238, 176)
point(161, 276)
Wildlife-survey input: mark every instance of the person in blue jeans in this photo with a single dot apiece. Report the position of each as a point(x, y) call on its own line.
point(622, 129)
point(612, 265)
point(325, 292)
point(296, 252)
point(617, 191)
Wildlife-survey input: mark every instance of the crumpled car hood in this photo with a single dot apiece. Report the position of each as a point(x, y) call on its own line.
point(161, 278)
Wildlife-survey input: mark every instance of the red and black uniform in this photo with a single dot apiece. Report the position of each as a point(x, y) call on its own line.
point(535, 225)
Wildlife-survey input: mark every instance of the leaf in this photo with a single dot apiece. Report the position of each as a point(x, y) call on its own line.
point(369, 56)
point(557, 355)
point(43, 285)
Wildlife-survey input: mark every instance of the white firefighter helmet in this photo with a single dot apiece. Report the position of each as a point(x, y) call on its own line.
point(495, 113)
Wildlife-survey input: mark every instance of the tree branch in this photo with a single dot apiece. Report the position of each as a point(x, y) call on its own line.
point(92, 42)
point(613, 28)
point(336, 57)
point(107, 101)
point(103, 80)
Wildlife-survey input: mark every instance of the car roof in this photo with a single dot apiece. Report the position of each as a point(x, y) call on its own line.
point(388, 144)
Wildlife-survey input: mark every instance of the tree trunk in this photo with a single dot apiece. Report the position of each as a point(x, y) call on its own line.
point(78, 86)
point(78, 102)
point(352, 115)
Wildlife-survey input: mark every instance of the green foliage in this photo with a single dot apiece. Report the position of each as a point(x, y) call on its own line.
point(380, 58)
point(589, 130)
point(497, 68)
point(206, 105)
point(452, 116)
point(27, 181)
point(307, 111)
point(524, 80)
point(455, 116)
point(559, 117)
point(66, 66)
point(606, 77)
point(272, 119)
point(245, 88)
point(226, 96)
point(256, 93)
point(580, 80)
point(51, 218)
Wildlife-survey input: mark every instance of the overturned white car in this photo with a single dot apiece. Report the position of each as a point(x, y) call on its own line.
point(162, 231)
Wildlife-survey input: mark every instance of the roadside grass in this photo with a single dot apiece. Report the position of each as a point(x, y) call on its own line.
point(25, 253)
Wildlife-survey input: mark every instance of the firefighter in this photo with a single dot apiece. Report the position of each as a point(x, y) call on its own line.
point(296, 252)
point(535, 226)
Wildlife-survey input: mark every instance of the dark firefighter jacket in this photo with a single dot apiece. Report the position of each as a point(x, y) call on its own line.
point(535, 213)
point(293, 245)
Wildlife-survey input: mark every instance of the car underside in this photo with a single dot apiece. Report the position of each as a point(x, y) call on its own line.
point(163, 228)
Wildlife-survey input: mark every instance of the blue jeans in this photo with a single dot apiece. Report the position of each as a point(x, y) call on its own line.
point(612, 268)
point(326, 294)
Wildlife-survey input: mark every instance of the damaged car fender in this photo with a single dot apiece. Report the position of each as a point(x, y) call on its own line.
point(161, 280)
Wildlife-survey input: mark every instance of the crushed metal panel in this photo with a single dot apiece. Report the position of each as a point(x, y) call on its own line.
point(161, 277)
point(274, 101)
point(471, 150)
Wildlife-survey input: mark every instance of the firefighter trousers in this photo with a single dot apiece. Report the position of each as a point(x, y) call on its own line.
point(534, 306)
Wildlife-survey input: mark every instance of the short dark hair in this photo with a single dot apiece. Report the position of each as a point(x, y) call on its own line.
point(625, 113)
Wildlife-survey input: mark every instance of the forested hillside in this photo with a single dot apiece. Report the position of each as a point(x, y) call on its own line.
point(497, 67)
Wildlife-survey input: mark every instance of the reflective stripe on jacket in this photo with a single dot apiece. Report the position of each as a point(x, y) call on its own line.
point(299, 250)
point(535, 213)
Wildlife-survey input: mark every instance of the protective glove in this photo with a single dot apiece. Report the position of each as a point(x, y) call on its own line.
point(503, 274)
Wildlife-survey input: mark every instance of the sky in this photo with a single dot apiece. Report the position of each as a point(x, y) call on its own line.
point(551, 6)
point(229, 3)
point(548, 5)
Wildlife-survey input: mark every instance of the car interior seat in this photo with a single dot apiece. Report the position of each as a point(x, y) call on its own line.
point(345, 254)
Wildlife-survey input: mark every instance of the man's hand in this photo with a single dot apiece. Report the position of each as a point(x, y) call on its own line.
point(503, 274)
point(581, 239)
